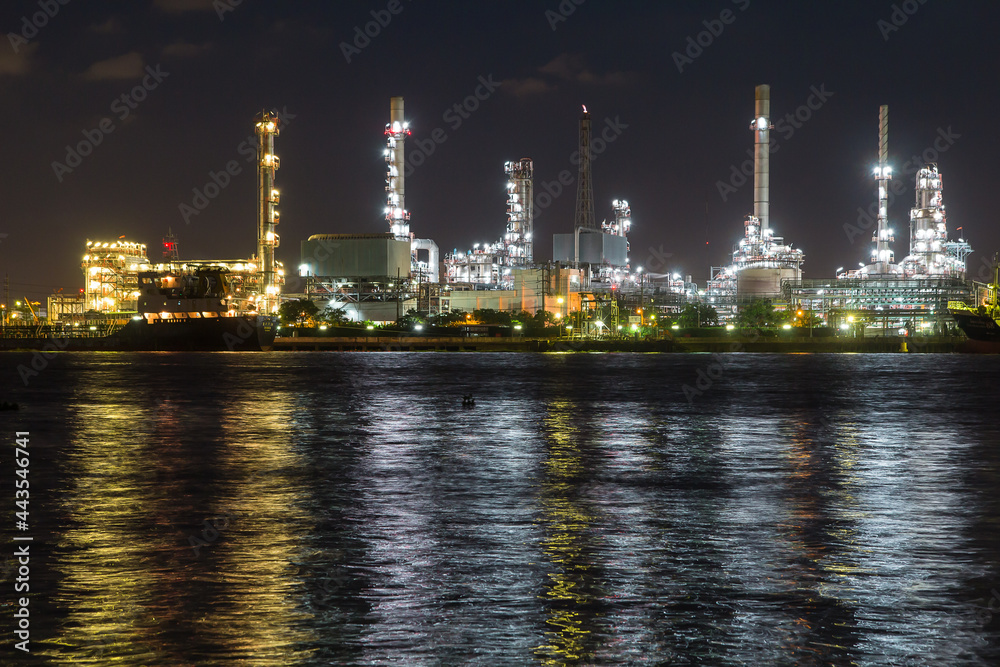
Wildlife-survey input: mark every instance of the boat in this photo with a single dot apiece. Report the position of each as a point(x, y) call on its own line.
point(981, 324)
point(193, 311)
point(175, 311)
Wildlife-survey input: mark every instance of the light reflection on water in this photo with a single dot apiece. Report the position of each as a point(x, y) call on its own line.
point(307, 508)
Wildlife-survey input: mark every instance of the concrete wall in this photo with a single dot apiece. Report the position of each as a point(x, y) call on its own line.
point(595, 248)
point(355, 256)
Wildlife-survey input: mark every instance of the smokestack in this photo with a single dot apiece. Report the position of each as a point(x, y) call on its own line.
point(761, 169)
point(584, 189)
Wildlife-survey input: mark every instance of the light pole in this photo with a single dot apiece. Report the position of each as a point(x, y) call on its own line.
point(641, 316)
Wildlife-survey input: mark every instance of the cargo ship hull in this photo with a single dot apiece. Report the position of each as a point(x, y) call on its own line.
point(982, 331)
point(242, 333)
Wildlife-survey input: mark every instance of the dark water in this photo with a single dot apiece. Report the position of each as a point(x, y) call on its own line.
point(313, 508)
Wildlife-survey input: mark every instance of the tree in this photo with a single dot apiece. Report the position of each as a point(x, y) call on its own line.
point(698, 315)
point(491, 316)
point(334, 316)
point(450, 319)
point(758, 314)
point(410, 320)
point(544, 318)
point(805, 318)
point(297, 310)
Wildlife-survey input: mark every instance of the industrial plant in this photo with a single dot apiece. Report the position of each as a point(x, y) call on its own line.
point(112, 269)
point(379, 277)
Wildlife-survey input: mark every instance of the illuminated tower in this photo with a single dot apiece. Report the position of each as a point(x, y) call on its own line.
point(931, 253)
point(170, 250)
point(520, 211)
point(623, 217)
point(267, 216)
point(882, 254)
point(396, 132)
point(762, 127)
point(584, 188)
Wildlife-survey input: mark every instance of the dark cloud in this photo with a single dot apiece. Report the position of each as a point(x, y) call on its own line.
point(19, 63)
point(180, 6)
point(185, 50)
point(127, 66)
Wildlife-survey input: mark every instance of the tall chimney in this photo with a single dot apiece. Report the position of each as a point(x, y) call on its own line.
point(584, 217)
point(761, 170)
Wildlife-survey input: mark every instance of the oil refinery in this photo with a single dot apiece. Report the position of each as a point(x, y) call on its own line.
point(379, 277)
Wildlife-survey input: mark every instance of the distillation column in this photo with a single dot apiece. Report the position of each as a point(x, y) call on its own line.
point(623, 217)
point(396, 132)
point(267, 216)
point(520, 212)
point(882, 255)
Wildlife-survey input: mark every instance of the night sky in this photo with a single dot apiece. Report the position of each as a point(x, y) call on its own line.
point(678, 133)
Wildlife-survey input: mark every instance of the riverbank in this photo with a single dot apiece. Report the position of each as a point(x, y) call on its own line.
point(939, 344)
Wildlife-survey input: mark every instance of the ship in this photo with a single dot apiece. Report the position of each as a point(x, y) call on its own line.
point(193, 312)
point(981, 324)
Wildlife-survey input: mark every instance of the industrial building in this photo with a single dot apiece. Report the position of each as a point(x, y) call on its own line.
point(111, 268)
point(379, 277)
point(492, 264)
point(883, 297)
point(761, 260)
